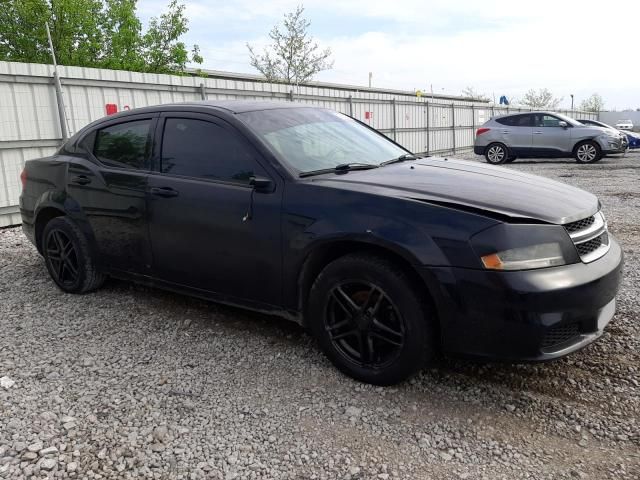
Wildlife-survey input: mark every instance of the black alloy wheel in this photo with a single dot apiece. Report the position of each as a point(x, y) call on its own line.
point(69, 258)
point(372, 318)
point(364, 325)
point(62, 255)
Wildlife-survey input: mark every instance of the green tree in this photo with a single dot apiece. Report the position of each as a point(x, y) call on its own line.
point(293, 57)
point(95, 33)
point(123, 29)
point(542, 99)
point(594, 103)
point(162, 51)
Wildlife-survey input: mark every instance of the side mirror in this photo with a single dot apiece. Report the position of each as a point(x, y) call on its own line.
point(261, 184)
point(563, 124)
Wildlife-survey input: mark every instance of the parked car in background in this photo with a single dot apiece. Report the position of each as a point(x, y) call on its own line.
point(633, 139)
point(625, 125)
point(309, 214)
point(544, 134)
point(627, 139)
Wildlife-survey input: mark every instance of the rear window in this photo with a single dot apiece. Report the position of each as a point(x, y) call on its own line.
point(125, 145)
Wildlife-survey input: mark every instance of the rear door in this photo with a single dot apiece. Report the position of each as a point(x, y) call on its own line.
point(516, 131)
point(549, 138)
point(209, 230)
point(108, 179)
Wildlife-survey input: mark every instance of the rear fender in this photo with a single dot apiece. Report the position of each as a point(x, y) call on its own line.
point(67, 206)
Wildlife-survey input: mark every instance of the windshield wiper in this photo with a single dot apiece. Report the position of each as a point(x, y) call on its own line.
point(343, 167)
point(401, 158)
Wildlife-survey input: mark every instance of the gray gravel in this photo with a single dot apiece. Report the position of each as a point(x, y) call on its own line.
point(131, 382)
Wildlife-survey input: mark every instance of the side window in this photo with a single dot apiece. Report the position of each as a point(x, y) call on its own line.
point(548, 121)
point(523, 120)
point(516, 121)
point(125, 145)
point(87, 143)
point(201, 149)
point(506, 121)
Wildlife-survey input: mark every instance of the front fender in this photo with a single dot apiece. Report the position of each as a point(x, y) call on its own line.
point(400, 237)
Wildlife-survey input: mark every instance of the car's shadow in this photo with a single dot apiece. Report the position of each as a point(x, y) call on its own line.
point(210, 317)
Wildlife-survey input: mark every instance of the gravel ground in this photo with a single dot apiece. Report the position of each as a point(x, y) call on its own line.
point(131, 382)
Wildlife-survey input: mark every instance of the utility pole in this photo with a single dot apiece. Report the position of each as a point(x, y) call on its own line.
point(370, 77)
point(58, 87)
point(571, 101)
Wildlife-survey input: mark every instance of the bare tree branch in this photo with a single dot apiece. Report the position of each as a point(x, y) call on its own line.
point(293, 57)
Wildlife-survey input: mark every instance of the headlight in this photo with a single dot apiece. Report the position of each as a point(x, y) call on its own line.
point(509, 246)
point(534, 256)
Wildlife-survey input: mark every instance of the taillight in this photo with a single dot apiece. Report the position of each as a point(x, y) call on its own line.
point(23, 177)
point(480, 131)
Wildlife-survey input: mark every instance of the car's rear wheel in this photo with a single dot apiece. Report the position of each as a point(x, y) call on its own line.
point(496, 153)
point(370, 320)
point(587, 152)
point(68, 257)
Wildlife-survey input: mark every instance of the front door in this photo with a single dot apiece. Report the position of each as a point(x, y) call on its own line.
point(549, 137)
point(208, 229)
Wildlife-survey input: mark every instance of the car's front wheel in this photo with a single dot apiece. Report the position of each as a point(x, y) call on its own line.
point(496, 153)
point(370, 319)
point(587, 152)
point(68, 257)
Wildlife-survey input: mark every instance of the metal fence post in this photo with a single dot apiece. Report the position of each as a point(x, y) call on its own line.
point(203, 92)
point(291, 95)
point(428, 123)
point(60, 102)
point(473, 119)
point(393, 110)
point(493, 111)
point(350, 105)
point(453, 126)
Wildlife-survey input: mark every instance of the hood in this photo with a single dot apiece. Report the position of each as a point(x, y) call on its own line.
point(472, 185)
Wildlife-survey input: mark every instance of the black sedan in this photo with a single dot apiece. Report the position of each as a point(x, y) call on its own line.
point(387, 257)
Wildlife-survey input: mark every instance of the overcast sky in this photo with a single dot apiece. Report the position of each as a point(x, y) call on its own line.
point(498, 47)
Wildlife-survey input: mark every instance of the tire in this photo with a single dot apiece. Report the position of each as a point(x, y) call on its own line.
point(383, 344)
point(68, 257)
point(496, 154)
point(587, 152)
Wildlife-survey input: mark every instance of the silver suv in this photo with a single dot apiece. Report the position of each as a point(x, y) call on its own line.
point(544, 134)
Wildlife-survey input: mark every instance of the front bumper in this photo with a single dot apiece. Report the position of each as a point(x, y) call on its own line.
point(532, 315)
point(611, 146)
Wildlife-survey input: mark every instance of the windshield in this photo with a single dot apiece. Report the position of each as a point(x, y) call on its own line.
point(569, 120)
point(309, 139)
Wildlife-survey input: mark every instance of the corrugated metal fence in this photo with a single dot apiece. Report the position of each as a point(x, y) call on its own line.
point(30, 126)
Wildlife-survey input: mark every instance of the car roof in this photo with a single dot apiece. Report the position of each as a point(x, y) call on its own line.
point(511, 114)
point(232, 106)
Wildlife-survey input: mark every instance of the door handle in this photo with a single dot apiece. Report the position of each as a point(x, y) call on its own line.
point(537, 133)
point(81, 180)
point(505, 131)
point(164, 192)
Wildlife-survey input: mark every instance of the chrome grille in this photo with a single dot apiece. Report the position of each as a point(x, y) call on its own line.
point(579, 225)
point(589, 246)
point(590, 237)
